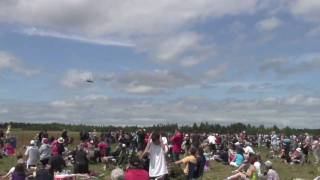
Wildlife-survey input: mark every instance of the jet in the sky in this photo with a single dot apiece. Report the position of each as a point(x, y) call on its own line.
point(89, 81)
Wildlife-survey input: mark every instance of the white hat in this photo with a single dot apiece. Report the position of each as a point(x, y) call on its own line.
point(60, 140)
point(32, 142)
point(237, 143)
point(298, 149)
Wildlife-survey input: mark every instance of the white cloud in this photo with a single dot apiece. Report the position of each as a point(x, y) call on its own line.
point(100, 41)
point(314, 32)
point(9, 61)
point(135, 23)
point(307, 9)
point(62, 104)
point(186, 48)
point(4, 111)
point(295, 111)
point(125, 17)
point(217, 72)
point(149, 82)
point(76, 78)
point(292, 65)
point(269, 24)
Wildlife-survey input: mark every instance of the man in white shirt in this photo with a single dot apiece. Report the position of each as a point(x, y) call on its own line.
point(156, 151)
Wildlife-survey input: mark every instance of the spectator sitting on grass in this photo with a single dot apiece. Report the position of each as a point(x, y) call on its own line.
point(251, 172)
point(270, 173)
point(10, 172)
point(238, 158)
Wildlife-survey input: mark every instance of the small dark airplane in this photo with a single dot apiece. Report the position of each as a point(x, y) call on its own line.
point(89, 81)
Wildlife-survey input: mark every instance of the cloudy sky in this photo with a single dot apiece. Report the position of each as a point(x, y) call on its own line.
point(222, 61)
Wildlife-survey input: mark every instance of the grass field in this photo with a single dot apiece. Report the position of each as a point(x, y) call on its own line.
point(216, 172)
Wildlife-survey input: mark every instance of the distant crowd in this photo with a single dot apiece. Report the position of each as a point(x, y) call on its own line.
point(155, 155)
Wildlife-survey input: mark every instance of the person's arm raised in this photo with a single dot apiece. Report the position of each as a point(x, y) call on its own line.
point(146, 150)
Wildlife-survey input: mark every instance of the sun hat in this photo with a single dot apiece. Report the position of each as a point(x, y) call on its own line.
point(60, 140)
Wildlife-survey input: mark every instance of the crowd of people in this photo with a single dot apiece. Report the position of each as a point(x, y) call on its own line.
point(152, 155)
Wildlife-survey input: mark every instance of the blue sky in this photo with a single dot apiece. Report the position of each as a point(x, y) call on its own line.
point(220, 61)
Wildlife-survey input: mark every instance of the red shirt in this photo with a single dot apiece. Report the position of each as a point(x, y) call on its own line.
point(136, 174)
point(177, 140)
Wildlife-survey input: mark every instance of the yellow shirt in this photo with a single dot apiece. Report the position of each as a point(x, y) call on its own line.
point(186, 161)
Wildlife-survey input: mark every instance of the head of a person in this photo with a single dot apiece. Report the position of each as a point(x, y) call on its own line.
point(20, 167)
point(155, 138)
point(117, 174)
point(252, 158)
point(81, 147)
point(60, 140)
point(193, 151)
point(268, 164)
point(45, 141)
point(239, 150)
point(258, 157)
point(32, 143)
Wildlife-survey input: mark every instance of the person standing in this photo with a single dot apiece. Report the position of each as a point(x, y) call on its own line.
point(156, 151)
point(176, 140)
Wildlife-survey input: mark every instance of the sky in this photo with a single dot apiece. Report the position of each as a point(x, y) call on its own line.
point(142, 62)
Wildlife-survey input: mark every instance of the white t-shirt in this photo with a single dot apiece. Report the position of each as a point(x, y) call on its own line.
point(248, 149)
point(158, 164)
point(257, 165)
point(212, 139)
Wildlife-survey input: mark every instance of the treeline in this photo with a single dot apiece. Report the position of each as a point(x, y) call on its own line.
point(203, 127)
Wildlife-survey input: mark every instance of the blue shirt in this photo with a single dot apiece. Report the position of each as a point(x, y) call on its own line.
point(239, 159)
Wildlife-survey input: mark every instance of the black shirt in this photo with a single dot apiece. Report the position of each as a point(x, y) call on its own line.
point(57, 163)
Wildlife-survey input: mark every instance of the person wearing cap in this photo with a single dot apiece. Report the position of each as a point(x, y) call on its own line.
point(57, 146)
point(270, 173)
point(33, 155)
point(45, 151)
